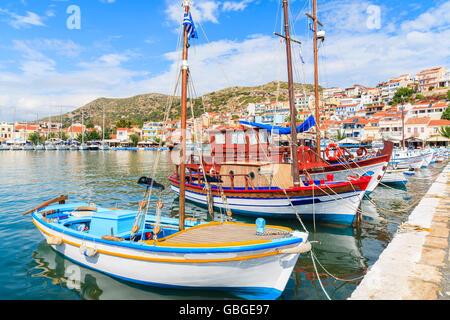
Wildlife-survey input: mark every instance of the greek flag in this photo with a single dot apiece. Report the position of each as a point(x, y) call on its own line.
point(190, 29)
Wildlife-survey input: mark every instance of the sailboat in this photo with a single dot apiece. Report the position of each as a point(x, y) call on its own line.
point(272, 186)
point(337, 161)
point(249, 260)
point(83, 146)
point(103, 145)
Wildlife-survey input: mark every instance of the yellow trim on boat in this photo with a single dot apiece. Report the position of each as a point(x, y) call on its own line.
point(214, 223)
point(127, 256)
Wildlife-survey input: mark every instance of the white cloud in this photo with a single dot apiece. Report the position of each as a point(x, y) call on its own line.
point(202, 11)
point(18, 21)
point(436, 17)
point(236, 5)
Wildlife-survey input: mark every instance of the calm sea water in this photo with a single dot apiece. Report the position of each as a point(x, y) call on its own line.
point(30, 269)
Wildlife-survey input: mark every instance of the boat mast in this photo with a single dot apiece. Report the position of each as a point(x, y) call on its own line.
point(316, 75)
point(82, 126)
point(184, 70)
point(103, 128)
point(293, 111)
point(403, 124)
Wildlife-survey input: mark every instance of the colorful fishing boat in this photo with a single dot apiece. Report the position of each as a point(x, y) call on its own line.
point(206, 255)
point(280, 184)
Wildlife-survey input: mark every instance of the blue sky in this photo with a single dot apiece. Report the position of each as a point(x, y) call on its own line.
point(128, 47)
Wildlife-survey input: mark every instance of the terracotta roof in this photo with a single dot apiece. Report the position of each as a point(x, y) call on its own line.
point(442, 122)
point(421, 120)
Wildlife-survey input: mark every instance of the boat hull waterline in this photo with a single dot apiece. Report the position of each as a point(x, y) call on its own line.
point(336, 205)
point(259, 273)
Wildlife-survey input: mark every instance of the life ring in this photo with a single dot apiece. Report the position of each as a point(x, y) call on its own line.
point(361, 152)
point(337, 152)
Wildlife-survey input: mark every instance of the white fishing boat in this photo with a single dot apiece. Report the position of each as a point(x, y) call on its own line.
point(429, 154)
point(83, 147)
point(404, 159)
point(214, 255)
point(397, 176)
point(15, 147)
point(249, 260)
point(50, 147)
point(62, 147)
point(104, 147)
point(28, 147)
point(39, 147)
point(4, 147)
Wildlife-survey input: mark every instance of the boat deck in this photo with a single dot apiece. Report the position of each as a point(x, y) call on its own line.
point(224, 233)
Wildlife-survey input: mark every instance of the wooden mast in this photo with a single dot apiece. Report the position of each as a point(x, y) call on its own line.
point(316, 78)
point(184, 70)
point(293, 111)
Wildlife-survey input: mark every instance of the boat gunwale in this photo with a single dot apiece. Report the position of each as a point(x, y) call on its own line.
point(363, 180)
point(175, 247)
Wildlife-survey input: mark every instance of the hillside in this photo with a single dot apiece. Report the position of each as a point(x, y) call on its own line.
point(152, 106)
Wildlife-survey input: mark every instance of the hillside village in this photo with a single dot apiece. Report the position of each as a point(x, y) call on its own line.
point(416, 102)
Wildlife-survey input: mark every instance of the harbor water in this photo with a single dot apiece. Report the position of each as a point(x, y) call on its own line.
point(30, 269)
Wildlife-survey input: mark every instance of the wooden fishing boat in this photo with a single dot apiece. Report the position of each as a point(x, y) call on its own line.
point(267, 190)
point(250, 260)
point(205, 255)
point(273, 186)
point(250, 144)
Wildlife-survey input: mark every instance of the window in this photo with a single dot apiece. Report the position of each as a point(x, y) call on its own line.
point(238, 137)
point(415, 130)
point(422, 129)
point(262, 134)
point(409, 130)
point(220, 138)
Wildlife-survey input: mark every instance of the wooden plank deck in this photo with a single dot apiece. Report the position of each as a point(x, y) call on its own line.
point(224, 233)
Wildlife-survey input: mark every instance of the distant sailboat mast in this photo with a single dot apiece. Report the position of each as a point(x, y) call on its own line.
point(82, 126)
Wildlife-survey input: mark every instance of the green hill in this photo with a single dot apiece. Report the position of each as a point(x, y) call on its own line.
point(152, 106)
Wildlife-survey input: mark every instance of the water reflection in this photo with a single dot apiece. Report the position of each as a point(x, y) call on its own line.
point(92, 285)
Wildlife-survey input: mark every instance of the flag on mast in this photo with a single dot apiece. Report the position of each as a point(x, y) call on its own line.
point(190, 29)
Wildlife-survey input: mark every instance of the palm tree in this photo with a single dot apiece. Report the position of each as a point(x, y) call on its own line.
point(445, 131)
point(340, 136)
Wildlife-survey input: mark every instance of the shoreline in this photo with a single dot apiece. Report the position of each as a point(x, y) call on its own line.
point(415, 264)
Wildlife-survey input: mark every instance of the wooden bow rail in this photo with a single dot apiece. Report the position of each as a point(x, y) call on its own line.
point(61, 200)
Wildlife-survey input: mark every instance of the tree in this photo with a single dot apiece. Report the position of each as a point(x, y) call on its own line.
point(134, 139)
point(445, 131)
point(122, 123)
point(402, 94)
point(419, 96)
point(340, 136)
point(446, 113)
point(64, 136)
point(35, 138)
point(448, 95)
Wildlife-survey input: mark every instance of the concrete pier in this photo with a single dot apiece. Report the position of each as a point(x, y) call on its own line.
point(415, 265)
